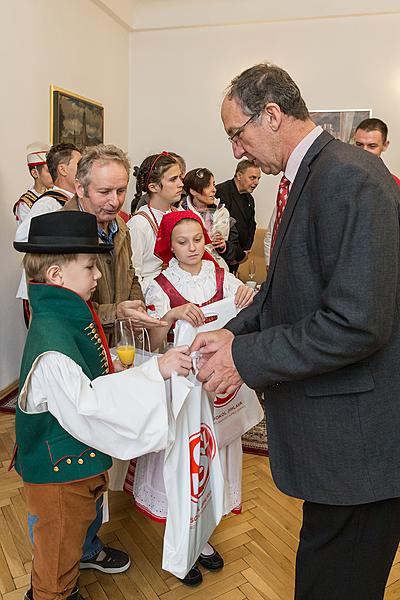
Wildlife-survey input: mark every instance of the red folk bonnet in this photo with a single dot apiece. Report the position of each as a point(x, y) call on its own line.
point(162, 247)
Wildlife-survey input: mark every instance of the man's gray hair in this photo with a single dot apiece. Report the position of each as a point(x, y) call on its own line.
point(101, 153)
point(264, 83)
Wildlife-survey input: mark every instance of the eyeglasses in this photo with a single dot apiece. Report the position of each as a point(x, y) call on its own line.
point(238, 132)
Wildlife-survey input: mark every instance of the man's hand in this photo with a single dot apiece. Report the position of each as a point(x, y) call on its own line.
point(217, 370)
point(177, 360)
point(136, 311)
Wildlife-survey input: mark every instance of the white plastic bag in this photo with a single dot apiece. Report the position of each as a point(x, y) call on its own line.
point(193, 480)
point(235, 413)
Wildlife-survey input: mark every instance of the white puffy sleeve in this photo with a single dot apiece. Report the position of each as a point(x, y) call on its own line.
point(138, 242)
point(231, 284)
point(156, 300)
point(122, 414)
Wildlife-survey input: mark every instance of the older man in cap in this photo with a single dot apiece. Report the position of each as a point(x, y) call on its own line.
point(42, 181)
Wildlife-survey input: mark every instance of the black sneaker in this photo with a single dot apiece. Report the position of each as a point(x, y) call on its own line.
point(193, 578)
point(108, 560)
point(74, 596)
point(212, 562)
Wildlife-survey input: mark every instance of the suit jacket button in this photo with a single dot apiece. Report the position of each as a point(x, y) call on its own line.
point(68, 461)
point(80, 461)
point(92, 454)
point(56, 469)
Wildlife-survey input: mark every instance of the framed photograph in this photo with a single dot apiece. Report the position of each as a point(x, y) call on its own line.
point(75, 119)
point(340, 123)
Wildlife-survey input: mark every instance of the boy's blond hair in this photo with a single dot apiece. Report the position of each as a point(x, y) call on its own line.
point(36, 265)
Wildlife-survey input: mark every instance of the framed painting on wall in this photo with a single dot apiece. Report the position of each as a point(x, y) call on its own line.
point(75, 119)
point(340, 123)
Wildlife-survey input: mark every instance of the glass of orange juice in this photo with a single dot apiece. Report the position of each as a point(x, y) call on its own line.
point(125, 342)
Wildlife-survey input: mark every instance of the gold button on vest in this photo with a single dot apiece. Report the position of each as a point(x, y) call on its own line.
point(68, 461)
point(80, 461)
point(92, 454)
point(56, 469)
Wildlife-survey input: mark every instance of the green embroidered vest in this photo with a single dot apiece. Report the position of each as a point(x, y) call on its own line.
point(62, 322)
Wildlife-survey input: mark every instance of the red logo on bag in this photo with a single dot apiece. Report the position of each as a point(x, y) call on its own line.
point(223, 399)
point(202, 447)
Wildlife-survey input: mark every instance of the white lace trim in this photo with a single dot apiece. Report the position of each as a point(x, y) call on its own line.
point(151, 500)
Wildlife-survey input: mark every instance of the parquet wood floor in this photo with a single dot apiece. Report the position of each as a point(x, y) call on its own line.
point(258, 546)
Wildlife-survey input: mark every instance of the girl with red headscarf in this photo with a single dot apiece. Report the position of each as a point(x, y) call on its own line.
point(192, 278)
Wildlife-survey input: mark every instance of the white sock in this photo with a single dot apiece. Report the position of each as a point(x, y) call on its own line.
point(207, 550)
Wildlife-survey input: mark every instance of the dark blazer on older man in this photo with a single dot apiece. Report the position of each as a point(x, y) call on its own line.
point(241, 207)
point(322, 336)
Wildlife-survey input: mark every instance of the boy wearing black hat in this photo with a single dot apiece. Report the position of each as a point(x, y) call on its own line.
point(69, 419)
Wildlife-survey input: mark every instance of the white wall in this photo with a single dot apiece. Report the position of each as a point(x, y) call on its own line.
point(72, 44)
point(162, 14)
point(178, 75)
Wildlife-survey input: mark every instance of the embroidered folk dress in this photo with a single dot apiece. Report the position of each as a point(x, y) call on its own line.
point(148, 485)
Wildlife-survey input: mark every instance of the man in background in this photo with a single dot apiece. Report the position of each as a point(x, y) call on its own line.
point(36, 160)
point(61, 162)
point(236, 195)
point(372, 135)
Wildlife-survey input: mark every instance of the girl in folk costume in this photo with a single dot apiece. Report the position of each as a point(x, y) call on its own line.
point(159, 177)
point(199, 185)
point(191, 280)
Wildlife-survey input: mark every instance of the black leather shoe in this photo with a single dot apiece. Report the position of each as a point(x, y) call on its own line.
point(193, 578)
point(212, 562)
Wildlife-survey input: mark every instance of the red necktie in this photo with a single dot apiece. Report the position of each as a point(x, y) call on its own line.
point(283, 192)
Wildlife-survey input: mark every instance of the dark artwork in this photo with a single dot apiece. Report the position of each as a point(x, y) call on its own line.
point(76, 120)
point(340, 123)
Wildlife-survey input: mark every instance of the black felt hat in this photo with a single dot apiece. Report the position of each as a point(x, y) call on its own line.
point(63, 232)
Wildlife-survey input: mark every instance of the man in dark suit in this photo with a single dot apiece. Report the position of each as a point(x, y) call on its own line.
point(236, 195)
point(322, 338)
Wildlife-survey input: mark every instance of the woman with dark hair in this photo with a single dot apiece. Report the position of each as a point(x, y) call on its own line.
point(138, 202)
point(199, 185)
point(159, 177)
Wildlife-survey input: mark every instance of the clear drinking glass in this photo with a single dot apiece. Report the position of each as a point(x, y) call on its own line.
point(252, 269)
point(125, 342)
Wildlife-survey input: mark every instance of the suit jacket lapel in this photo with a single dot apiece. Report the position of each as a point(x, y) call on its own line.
point(294, 195)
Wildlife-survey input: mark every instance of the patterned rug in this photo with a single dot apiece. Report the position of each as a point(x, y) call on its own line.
point(9, 402)
point(255, 440)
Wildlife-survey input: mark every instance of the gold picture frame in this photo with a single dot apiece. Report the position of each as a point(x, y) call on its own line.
point(75, 119)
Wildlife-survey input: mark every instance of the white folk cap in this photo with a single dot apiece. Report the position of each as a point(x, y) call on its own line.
point(36, 154)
